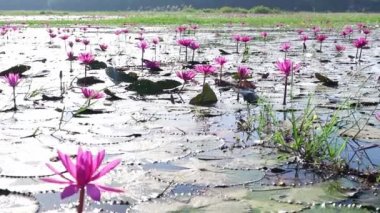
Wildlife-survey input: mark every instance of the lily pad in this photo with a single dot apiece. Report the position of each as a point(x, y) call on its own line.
point(145, 87)
point(97, 65)
point(318, 193)
point(203, 173)
point(20, 69)
point(88, 81)
point(118, 77)
point(223, 52)
point(17, 203)
point(168, 84)
point(326, 81)
point(148, 87)
point(207, 97)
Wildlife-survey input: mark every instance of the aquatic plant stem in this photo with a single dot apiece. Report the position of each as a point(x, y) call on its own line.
point(81, 200)
point(142, 60)
point(193, 56)
point(14, 99)
point(221, 74)
point(204, 82)
point(237, 47)
point(155, 52)
point(85, 71)
point(357, 52)
point(186, 54)
point(360, 54)
point(286, 87)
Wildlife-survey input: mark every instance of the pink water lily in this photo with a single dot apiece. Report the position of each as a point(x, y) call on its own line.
point(86, 59)
point(205, 69)
point(316, 30)
point(286, 67)
point(71, 44)
point(71, 56)
point(64, 37)
point(186, 75)
point(340, 48)
point(237, 39)
point(152, 65)
point(142, 45)
point(186, 42)
point(243, 72)
point(264, 35)
point(155, 40)
point(194, 46)
point(366, 31)
point(220, 61)
point(103, 47)
point(359, 44)
point(245, 39)
point(321, 38)
point(91, 94)
point(83, 173)
point(13, 79)
point(304, 38)
point(85, 42)
point(181, 29)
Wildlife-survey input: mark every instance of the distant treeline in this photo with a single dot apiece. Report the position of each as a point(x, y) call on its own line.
point(289, 5)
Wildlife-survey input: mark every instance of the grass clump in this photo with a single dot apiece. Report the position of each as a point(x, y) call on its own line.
point(260, 9)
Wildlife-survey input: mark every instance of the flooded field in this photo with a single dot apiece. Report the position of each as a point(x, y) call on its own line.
point(182, 157)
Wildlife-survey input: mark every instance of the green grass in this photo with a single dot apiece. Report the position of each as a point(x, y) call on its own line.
point(213, 18)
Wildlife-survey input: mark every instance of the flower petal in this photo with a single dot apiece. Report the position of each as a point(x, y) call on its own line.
point(67, 163)
point(68, 191)
point(97, 161)
point(109, 189)
point(106, 169)
point(52, 180)
point(93, 191)
point(56, 171)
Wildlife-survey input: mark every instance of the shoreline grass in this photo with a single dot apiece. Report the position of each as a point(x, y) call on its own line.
point(118, 18)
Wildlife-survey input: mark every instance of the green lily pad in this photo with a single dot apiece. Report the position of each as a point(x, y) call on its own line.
point(318, 193)
point(326, 81)
point(145, 87)
point(98, 65)
point(207, 97)
point(204, 173)
point(148, 87)
point(118, 77)
point(19, 69)
point(168, 84)
point(331, 209)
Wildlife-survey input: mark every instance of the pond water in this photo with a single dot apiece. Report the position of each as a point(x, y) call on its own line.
point(176, 156)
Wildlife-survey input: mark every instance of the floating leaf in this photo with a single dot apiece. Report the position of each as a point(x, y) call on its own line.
point(88, 81)
point(326, 81)
point(17, 203)
point(97, 65)
point(207, 97)
point(168, 84)
point(20, 69)
point(145, 87)
point(119, 76)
